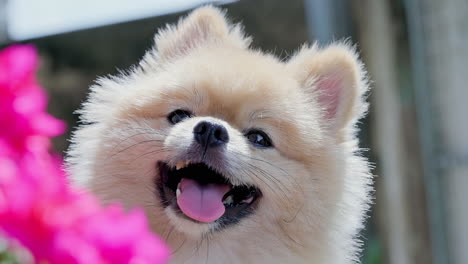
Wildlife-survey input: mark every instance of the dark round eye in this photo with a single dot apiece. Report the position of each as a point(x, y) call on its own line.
point(259, 138)
point(178, 115)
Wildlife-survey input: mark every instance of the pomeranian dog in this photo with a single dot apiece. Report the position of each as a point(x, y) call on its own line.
point(235, 155)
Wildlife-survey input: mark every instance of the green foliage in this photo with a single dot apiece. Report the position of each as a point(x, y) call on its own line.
point(372, 252)
point(7, 257)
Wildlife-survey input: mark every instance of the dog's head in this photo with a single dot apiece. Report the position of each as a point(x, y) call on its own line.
point(209, 135)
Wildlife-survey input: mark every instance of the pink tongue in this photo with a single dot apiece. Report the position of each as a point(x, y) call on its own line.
point(203, 203)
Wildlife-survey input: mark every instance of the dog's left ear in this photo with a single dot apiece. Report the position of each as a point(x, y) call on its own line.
point(335, 79)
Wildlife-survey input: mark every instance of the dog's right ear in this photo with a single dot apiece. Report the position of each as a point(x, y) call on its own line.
point(204, 26)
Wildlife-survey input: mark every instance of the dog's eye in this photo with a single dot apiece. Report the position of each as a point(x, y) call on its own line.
point(259, 138)
point(178, 115)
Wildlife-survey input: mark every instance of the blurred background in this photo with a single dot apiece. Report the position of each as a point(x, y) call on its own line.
point(416, 52)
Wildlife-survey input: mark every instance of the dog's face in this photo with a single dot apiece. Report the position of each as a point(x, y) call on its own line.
point(236, 137)
point(209, 136)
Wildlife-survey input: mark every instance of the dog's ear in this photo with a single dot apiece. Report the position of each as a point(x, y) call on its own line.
point(204, 26)
point(335, 78)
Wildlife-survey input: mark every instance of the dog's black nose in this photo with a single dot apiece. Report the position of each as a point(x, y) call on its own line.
point(210, 135)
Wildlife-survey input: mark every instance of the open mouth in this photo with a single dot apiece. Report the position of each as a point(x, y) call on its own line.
point(202, 194)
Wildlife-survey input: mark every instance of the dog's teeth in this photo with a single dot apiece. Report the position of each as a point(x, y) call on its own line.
point(181, 164)
point(248, 200)
point(177, 192)
point(229, 200)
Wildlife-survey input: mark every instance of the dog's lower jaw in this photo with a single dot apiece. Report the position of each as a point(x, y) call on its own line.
point(211, 248)
point(243, 243)
point(267, 249)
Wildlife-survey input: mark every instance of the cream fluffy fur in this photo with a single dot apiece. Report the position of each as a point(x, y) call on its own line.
point(314, 182)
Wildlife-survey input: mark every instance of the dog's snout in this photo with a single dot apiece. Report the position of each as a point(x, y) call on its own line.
point(210, 134)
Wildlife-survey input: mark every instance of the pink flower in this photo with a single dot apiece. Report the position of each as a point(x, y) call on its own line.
point(38, 209)
point(23, 102)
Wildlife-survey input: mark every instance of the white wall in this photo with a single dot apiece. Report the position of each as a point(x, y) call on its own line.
point(28, 19)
